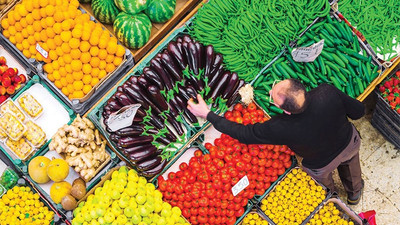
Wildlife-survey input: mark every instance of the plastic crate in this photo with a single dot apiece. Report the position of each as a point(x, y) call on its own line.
point(386, 127)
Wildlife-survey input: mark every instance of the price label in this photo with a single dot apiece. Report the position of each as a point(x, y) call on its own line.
point(43, 52)
point(123, 117)
point(308, 54)
point(240, 186)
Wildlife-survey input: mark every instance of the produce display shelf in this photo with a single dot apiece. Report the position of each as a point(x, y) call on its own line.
point(158, 30)
point(81, 105)
point(52, 106)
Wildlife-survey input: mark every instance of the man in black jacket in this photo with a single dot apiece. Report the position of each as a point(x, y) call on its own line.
point(315, 126)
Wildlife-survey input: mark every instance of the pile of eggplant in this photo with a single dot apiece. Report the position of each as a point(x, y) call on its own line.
point(178, 73)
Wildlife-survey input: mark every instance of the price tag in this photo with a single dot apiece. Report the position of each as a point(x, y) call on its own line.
point(308, 54)
point(123, 117)
point(43, 52)
point(240, 186)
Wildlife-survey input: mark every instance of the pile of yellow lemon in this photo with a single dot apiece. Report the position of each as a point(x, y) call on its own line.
point(21, 206)
point(293, 199)
point(329, 214)
point(254, 219)
point(80, 51)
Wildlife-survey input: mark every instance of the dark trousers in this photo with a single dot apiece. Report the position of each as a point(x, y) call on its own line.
point(348, 165)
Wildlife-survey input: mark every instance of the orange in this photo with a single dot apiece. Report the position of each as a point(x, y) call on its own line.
point(74, 43)
point(6, 33)
point(63, 72)
point(70, 81)
point(25, 44)
point(32, 49)
point(5, 24)
point(86, 68)
point(36, 35)
point(29, 19)
point(87, 78)
point(50, 77)
point(43, 23)
point(19, 38)
point(50, 33)
point(109, 58)
point(43, 35)
point(59, 51)
point(66, 25)
point(64, 81)
point(76, 65)
point(68, 68)
point(76, 33)
point(65, 36)
point(30, 29)
point(85, 57)
point(102, 43)
point(36, 26)
point(55, 65)
point(95, 72)
point(65, 91)
point(58, 84)
point(51, 43)
point(95, 80)
point(57, 40)
point(65, 47)
point(102, 74)
point(112, 47)
point(57, 28)
point(48, 68)
point(102, 65)
point(39, 57)
point(28, 5)
point(120, 51)
point(23, 22)
point(53, 55)
point(87, 88)
point(12, 40)
point(85, 17)
point(61, 62)
point(85, 35)
point(10, 18)
point(78, 85)
point(94, 39)
point(58, 16)
point(50, 21)
point(42, 12)
point(44, 3)
point(56, 75)
point(21, 10)
point(31, 41)
point(94, 51)
point(26, 53)
point(12, 30)
point(18, 26)
point(25, 33)
point(110, 67)
point(17, 16)
point(95, 62)
point(50, 10)
point(70, 87)
point(75, 54)
point(67, 59)
point(102, 54)
point(36, 14)
point(78, 94)
point(84, 46)
point(74, 3)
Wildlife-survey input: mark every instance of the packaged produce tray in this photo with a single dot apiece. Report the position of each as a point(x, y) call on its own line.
point(48, 122)
point(326, 190)
point(343, 211)
point(81, 105)
point(158, 30)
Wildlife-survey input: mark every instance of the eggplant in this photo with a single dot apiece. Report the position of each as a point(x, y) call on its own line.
point(235, 94)
point(183, 93)
point(187, 54)
point(216, 65)
point(143, 82)
point(232, 84)
point(148, 163)
point(137, 96)
point(179, 40)
point(163, 140)
point(209, 56)
point(156, 96)
point(142, 154)
point(131, 141)
point(200, 52)
point(191, 92)
point(179, 45)
point(157, 66)
point(194, 57)
point(172, 106)
point(106, 113)
point(154, 120)
point(171, 136)
point(124, 99)
point(171, 66)
point(156, 170)
point(133, 130)
point(192, 82)
point(115, 137)
point(133, 79)
point(127, 151)
point(219, 86)
point(113, 103)
point(120, 89)
point(144, 96)
point(216, 78)
point(176, 53)
point(153, 78)
point(187, 38)
point(175, 124)
point(192, 118)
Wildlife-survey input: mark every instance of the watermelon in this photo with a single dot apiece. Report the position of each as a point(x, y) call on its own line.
point(132, 6)
point(132, 30)
point(159, 11)
point(105, 10)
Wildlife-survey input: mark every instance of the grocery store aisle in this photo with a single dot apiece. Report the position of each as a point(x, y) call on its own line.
point(380, 161)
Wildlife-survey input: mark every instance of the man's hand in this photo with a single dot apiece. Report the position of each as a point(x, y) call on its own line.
point(200, 109)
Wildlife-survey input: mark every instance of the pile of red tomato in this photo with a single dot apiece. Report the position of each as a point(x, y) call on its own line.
point(246, 115)
point(202, 188)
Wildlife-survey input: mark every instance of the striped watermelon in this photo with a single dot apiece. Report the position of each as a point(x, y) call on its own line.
point(132, 6)
point(159, 11)
point(105, 10)
point(132, 30)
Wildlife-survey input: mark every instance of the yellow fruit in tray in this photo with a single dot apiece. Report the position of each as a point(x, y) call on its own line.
point(58, 190)
point(57, 170)
point(37, 169)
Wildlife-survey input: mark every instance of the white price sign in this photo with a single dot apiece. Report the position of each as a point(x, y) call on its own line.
point(43, 52)
point(240, 186)
point(123, 117)
point(308, 54)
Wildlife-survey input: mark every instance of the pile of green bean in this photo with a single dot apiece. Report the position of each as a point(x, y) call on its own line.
point(249, 34)
point(377, 20)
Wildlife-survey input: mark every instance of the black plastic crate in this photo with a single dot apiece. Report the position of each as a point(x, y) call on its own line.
point(388, 129)
point(385, 108)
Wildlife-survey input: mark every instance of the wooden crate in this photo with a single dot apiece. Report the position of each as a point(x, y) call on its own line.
point(159, 30)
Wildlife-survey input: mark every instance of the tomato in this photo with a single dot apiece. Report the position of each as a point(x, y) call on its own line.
point(202, 219)
point(210, 193)
point(208, 146)
point(252, 107)
point(217, 142)
point(267, 185)
point(246, 158)
point(171, 175)
point(220, 154)
point(198, 153)
point(238, 120)
point(224, 204)
point(193, 220)
point(217, 184)
point(186, 212)
point(194, 211)
point(231, 219)
point(228, 114)
point(260, 112)
point(211, 220)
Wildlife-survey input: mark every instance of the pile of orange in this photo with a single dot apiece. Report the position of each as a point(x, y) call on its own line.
point(80, 51)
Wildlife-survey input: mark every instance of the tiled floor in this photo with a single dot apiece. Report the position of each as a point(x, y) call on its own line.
point(380, 164)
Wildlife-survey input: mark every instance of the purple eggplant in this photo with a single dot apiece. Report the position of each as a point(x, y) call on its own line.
point(172, 106)
point(232, 84)
point(216, 78)
point(137, 96)
point(124, 99)
point(209, 56)
point(219, 86)
point(115, 137)
point(136, 156)
point(175, 124)
point(157, 98)
point(187, 54)
point(153, 77)
point(106, 112)
point(133, 130)
point(145, 97)
point(201, 54)
point(133, 79)
point(148, 163)
point(113, 103)
point(191, 92)
point(164, 140)
point(131, 141)
point(172, 67)
point(176, 52)
point(192, 118)
point(216, 65)
point(179, 40)
point(187, 38)
point(143, 82)
point(235, 94)
point(194, 57)
point(183, 93)
point(127, 151)
point(157, 66)
point(156, 170)
point(193, 82)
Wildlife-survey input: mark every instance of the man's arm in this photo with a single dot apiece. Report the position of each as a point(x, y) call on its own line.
point(354, 108)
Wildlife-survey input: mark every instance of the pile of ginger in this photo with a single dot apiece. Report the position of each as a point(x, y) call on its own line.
point(81, 146)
